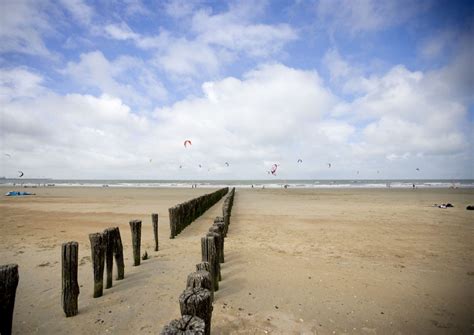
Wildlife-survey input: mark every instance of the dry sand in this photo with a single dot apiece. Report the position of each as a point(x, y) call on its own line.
point(297, 261)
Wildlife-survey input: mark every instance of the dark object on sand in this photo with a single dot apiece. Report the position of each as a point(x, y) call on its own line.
point(136, 228)
point(186, 325)
point(98, 262)
point(448, 205)
point(8, 284)
point(17, 194)
point(70, 287)
point(470, 208)
point(197, 302)
point(145, 256)
point(154, 219)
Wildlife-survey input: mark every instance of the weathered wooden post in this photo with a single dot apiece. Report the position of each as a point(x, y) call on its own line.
point(109, 239)
point(136, 228)
point(98, 261)
point(8, 283)
point(188, 324)
point(118, 254)
point(219, 220)
point(215, 228)
point(154, 219)
point(172, 217)
point(201, 279)
point(70, 287)
point(197, 302)
point(209, 254)
point(217, 242)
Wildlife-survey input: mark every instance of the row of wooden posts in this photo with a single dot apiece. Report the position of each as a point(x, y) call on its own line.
point(196, 300)
point(105, 246)
point(183, 214)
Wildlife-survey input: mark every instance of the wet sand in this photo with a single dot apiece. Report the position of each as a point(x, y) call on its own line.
point(373, 261)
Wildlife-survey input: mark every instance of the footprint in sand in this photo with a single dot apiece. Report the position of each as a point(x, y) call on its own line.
point(84, 260)
point(44, 264)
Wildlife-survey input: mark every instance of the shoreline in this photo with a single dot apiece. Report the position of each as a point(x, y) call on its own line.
point(339, 184)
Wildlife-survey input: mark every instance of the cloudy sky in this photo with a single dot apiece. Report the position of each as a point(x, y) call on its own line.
point(111, 89)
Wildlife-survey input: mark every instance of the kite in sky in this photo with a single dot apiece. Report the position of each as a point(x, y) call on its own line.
point(274, 169)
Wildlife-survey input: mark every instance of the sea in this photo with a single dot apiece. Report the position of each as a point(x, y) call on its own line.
point(268, 183)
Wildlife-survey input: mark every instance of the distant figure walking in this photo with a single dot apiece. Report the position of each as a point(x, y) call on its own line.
point(414, 186)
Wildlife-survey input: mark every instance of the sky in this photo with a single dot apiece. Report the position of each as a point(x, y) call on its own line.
point(112, 89)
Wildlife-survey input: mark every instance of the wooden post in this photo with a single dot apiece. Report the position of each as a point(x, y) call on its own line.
point(136, 228)
point(197, 302)
point(201, 279)
point(98, 260)
point(172, 217)
point(217, 242)
point(213, 259)
point(8, 283)
point(219, 220)
point(188, 324)
point(118, 254)
point(109, 238)
point(220, 232)
point(154, 219)
point(70, 287)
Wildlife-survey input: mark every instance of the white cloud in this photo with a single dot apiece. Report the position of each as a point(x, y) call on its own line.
point(120, 32)
point(79, 10)
point(406, 111)
point(135, 8)
point(435, 45)
point(233, 30)
point(22, 27)
point(180, 8)
point(365, 15)
point(213, 41)
point(273, 114)
point(349, 78)
point(126, 77)
point(183, 57)
point(246, 122)
point(19, 83)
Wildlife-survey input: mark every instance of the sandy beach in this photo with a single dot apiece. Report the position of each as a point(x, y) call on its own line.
point(298, 261)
